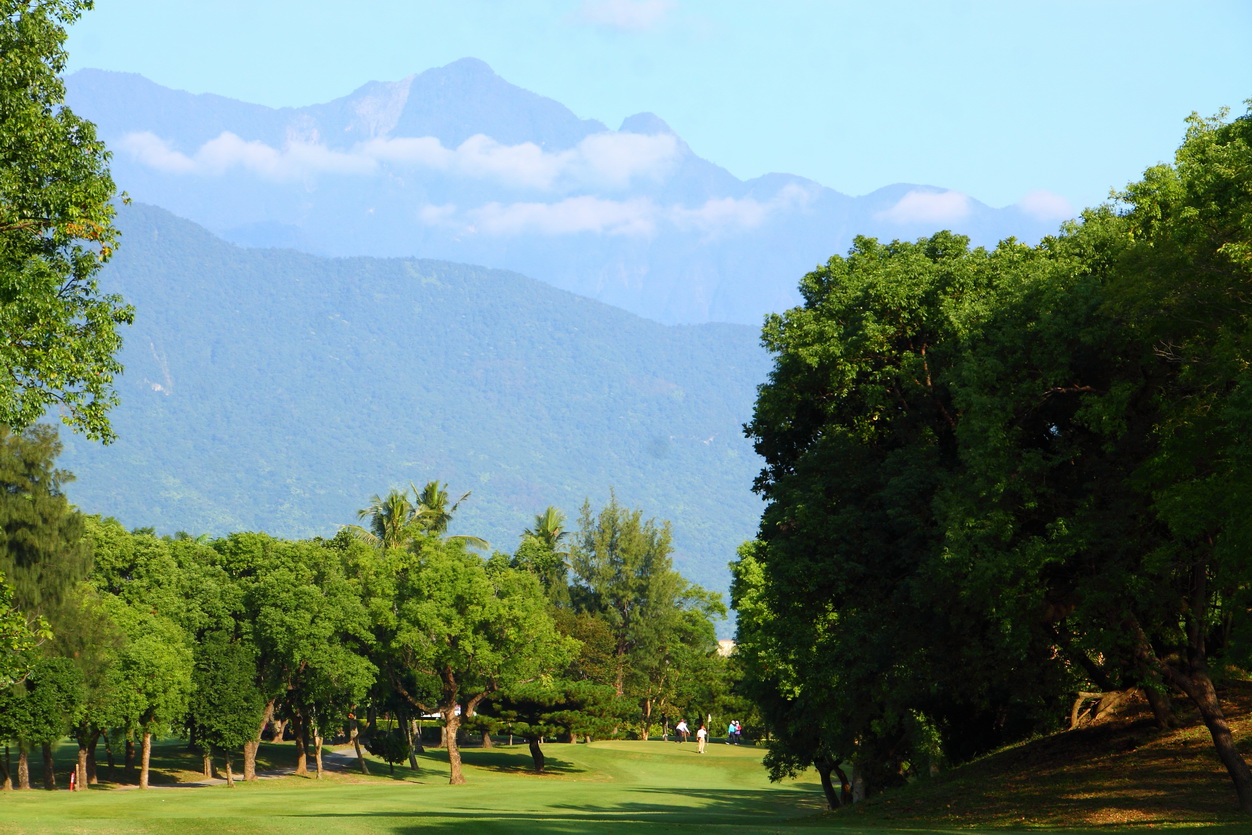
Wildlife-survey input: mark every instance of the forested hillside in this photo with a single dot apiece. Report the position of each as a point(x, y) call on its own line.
point(277, 391)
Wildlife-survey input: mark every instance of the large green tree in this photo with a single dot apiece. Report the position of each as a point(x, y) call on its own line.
point(660, 625)
point(226, 705)
point(464, 628)
point(42, 551)
point(58, 331)
point(998, 478)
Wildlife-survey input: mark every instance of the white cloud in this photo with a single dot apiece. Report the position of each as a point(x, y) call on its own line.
point(633, 15)
point(426, 152)
point(228, 151)
point(570, 216)
point(154, 152)
point(729, 213)
point(636, 217)
point(614, 160)
point(1045, 205)
point(605, 160)
point(928, 207)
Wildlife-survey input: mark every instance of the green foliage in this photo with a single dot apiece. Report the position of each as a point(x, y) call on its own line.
point(56, 231)
point(995, 478)
point(389, 745)
point(19, 635)
point(464, 628)
point(42, 552)
point(654, 638)
point(225, 704)
point(54, 699)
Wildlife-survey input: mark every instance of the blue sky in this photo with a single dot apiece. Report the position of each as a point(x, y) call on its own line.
point(1061, 100)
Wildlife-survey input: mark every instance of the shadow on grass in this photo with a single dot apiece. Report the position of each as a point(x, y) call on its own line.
point(513, 761)
point(744, 810)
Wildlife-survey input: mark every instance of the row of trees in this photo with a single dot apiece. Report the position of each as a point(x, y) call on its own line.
point(131, 635)
point(119, 635)
point(1000, 479)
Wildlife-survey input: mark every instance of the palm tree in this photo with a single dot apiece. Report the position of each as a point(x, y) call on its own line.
point(549, 528)
point(395, 520)
point(392, 521)
point(547, 560)
point(434, 515)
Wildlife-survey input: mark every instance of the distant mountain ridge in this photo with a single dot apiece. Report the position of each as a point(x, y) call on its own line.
point(455, 163)
point(275, 390)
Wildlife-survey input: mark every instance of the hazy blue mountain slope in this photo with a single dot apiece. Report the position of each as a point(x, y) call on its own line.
point(455, 163)
point(275, 390)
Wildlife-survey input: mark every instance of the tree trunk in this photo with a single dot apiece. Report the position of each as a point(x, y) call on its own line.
point(8, 772)
point(845, 785)
point(858, 785)
point(230, 777)
point(536, 753)
point(824, 766)
point(1162, 709)
point(147, 758)
point(49, 768)
point(302, 751)
point(1199, 688)
point(451, 723)
point(356, 745)
point(317, 750)
point(108, 754)
point(93, 778)
point(415, 730)
point(407, 725)
point(129, 767)
point(80, 767)
point(207, 765)
point(23, 764)
point(251, 747)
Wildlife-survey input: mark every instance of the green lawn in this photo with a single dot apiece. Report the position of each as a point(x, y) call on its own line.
point(604, 786)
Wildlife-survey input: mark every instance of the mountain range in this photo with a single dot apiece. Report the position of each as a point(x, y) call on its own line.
point(277, 391)
point(310, 331)
point(457, 164)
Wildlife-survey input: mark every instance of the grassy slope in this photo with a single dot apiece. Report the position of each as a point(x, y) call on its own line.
point(1121, 773)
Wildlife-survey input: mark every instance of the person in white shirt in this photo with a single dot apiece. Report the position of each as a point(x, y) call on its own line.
point(683, 730)
point(701, 736)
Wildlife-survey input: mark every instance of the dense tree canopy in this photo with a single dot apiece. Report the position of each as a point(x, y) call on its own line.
point(996, 479)
point(58, 331)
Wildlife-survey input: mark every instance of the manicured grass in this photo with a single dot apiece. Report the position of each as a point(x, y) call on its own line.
point(1120, 777)
point(604, 786)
